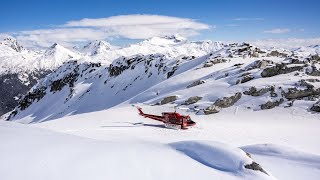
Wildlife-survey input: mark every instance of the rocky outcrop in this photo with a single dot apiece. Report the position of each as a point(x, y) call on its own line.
point(192, 100)
point(315, 57)
point(314, 71)
point(14, 86)
point(277, 54)
point(30, 97)
point(173, 70)
point(214, 61)
point(222, 103)
point(294, 93)
point(228, 101)
point(304, 83)
point(259, 64)
point(13, 43)
point(256, 167)
point(295, 61)
point(270, 104)
point(316, 107)
point(167, 100)
point(196, 83)
point(253, 91)
point(69, 79)
point(245, 78)
point(211, 109)
point(279, 69)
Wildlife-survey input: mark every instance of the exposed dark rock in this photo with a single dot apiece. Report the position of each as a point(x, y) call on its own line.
point(60, 83)
point(315, 57)
point(312, 80)
point(316, 107)
point(212, 109)
point(289, 104)
point(30, 97)
point(294, 93)
point(167, 100)
point(304, 83)
point(214, 61)
point(238, 65)
point(169, 74)
point(245, 79)
point(12, 88)
point(116, 70)
point(192, 100)
point(273, 92)
point(277, 54)
point(270, 104)
point(222, 103)
point(256, 167)
point(123, 63)
point(259, 64)
point(228, 101)
point(314, 72)
point(295, 61)
point(279, 69)
point(196, 83)
point(249, 155)
point(253, 91)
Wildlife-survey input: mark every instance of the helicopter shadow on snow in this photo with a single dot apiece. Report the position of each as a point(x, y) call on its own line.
point(133, 124)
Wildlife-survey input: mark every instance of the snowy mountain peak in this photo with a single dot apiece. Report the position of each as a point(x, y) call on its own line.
point(165, 40)
point(57, 48)
point(55, 56)
point(96, 47)
point(176, 38)
point(12, 43)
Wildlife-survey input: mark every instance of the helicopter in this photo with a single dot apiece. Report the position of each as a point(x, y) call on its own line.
point(171, 120)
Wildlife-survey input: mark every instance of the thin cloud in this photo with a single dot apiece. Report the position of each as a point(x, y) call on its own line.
point(278, 31)
point(287, 43)
point(64, 36)
point(139, 26)
point(232, 25)
point(125, 26)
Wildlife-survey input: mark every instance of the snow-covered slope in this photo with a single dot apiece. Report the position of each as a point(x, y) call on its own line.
point(238, 75)
point(122, 144)
point(309, 50)
point(39, 154)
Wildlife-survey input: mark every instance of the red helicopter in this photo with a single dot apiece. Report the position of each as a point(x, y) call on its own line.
point(170, 119)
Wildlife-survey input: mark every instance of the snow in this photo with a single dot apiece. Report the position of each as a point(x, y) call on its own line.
point(89, 130)
point(40, 154)
point(28, 61)
point(110, 142)
point(301, 165)
point(216, 155)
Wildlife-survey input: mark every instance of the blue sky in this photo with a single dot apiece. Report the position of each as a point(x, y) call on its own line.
point(226, 20)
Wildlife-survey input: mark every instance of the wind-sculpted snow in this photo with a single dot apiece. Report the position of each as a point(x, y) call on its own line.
point(215, 155)
point(280, 159)
point(39, 154)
